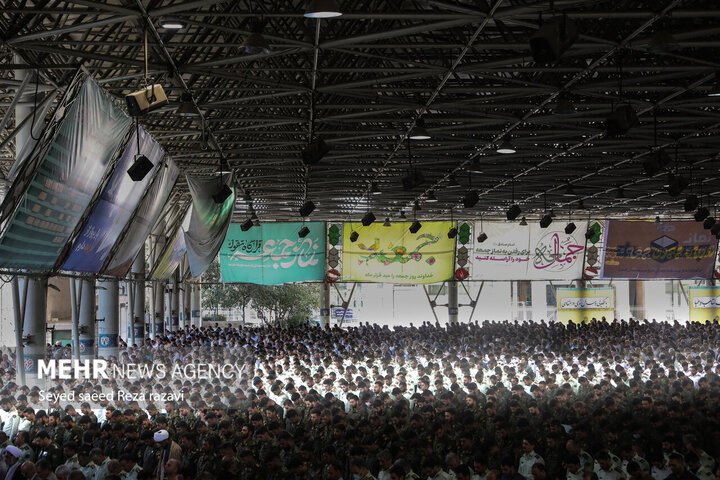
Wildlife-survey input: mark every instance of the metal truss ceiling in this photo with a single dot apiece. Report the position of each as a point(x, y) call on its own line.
point(463, 66)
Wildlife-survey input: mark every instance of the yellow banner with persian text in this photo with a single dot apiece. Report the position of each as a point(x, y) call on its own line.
point(392, 254)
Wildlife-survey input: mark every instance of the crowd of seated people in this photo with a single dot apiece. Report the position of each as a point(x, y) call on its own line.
point(493, 401)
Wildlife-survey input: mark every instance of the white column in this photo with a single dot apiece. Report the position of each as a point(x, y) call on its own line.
point(196, 306)
point(538, 291)
point(622, 299)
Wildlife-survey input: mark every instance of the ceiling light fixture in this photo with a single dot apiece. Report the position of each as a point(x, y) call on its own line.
point(315, 151)
point(171, 24)
point(482, 237)
point(453, 182)
point(322, 9)
point(224, 167)
point(563, 106)
point(621, 121)
point(304, 231)
point(431, 198)
point(354, 236)
point(402, 214)
point(523, 222)
point(570, 228)
point(506, 148)
point(374, 190)
point(708, 223)
point(387, 223)
point(676, 185)
point(187, 108)
point(471, 199)
point(415, 227)
point(418, 132)
point(255, 43)
point(552, 39)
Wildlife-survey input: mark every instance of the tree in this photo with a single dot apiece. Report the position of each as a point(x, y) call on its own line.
point(288, 304)
point(229, 295)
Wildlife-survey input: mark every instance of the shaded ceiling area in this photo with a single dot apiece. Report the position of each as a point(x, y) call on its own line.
point(462, 68)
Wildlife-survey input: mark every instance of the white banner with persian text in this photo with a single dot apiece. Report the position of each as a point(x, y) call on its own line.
point(516, 252)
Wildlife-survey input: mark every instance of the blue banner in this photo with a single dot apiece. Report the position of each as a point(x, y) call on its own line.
point(114, 208)
point(273, 253)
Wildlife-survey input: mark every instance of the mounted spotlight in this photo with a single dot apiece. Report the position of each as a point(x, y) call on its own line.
point(246, 225)
point(676, 185)
point(482, 237)
point(431, 198)
point(570, 228)
point(553, 39)
point(307, 208)
point(419, 132)
point(655, 162)
point(322, 9)
point(701, 214)
point(708, 223)
point(471, 199)
point(453, 182)
point(452, 233)
point(140, 168)
point(222, 194)
point(589, 233)
point(315, 151)
point(374, 190)
point(387, 223)
point(621, 120)
point(368, 219)
point(546, 220)
point(187, 107)
point(304, 231)
point(415, 227)
point(402, 214)
point(691, 203)
point(715, 230)
point(523, 222)
point(506, 148)
point(513, 212)
point(354, 236)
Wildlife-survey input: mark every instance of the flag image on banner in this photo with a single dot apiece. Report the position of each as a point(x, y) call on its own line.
point(395, 255)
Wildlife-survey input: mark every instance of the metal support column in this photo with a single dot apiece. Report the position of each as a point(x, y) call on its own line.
point(175, 306)
point(86, 330)
point(108, 318)
point(452, 301)
point(34, 326)
point(138, 271)
point(187, 294)
point(76, 287)
point(195, 307)
point(159, 314)
point(325, 306)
